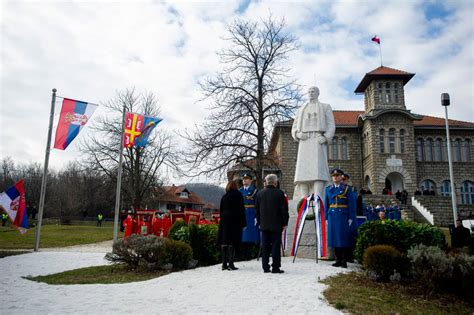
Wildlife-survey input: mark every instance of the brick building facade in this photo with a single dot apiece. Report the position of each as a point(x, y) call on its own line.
point(388, 146)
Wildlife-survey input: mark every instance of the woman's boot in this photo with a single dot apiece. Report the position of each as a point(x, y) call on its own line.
point(224, 257)
point(231, 256)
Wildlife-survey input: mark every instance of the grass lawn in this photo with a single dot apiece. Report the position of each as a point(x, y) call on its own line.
point(56, 236)
point(356, 294)
point(98, 274)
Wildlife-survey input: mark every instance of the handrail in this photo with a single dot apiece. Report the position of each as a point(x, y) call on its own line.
point(422, 210)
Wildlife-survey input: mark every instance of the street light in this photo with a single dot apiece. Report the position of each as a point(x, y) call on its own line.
point(445, 102)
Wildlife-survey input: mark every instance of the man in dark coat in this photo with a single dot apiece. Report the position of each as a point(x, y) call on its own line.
point(272, 217)
point(461, 236)
point(340, 214)
point(231, 223)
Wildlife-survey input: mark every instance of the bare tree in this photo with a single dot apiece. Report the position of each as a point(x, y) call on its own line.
point(249, 96)
point(141, 165)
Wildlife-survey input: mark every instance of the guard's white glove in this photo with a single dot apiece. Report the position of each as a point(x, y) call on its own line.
point(255, 222)
point(322, 139)
point(350, 222)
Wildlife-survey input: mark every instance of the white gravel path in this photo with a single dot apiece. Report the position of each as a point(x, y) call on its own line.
point(202, 290)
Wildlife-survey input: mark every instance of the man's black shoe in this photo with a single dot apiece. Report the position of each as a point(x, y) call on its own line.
point(277, 271)
point(336, 264)
point(266, 271)
point(344, 265)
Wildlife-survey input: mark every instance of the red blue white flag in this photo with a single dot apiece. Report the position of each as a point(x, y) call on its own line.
point(12, 201)
point(74, 116)
point(137, 129)
point(376, 39)
point(319, 221)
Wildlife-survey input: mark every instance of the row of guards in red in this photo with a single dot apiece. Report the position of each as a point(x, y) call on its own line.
point(147, 222)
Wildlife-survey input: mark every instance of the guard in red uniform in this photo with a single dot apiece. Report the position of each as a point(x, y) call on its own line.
point(166, 224)
point(157, 224)
point(128, 225)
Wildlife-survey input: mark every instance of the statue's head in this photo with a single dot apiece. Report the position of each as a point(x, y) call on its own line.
point(313, 93)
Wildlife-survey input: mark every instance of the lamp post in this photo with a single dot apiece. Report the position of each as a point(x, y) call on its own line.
point(445, 102)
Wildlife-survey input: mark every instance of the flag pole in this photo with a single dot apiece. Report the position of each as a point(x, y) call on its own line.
point(119, 178)
point(380, 49)
point(45, 172)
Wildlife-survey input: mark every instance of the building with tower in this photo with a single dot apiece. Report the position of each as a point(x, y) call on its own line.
point(388, 146)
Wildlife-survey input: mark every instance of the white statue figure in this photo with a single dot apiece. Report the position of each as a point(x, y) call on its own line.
point(313, 128)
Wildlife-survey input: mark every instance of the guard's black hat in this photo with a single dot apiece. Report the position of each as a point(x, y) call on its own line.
point(336, 171)
point(248, 175)
point(346, 176)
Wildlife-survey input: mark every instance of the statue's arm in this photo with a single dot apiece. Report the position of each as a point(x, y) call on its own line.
point(330, 124)
point(294, 128)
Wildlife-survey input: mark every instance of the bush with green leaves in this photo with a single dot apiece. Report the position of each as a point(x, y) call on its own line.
point(179, 231)
point(202, 239)
point(150, 252)
point(400, 234)
point(385, 261)
point(438, 271)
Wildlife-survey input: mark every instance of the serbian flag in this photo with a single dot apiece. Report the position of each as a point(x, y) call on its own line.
point(376, 39)
point(137, 129)
point(74, 116)
point(12, 201)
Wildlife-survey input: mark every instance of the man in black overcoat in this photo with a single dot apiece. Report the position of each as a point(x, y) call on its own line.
point(272, 217)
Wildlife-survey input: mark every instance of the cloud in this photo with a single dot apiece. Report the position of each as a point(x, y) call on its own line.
point(89, 50)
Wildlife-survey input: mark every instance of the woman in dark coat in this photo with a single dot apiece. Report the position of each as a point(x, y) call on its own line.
point(232, 221)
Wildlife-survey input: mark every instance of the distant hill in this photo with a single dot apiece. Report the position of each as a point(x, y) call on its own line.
point(210, 193)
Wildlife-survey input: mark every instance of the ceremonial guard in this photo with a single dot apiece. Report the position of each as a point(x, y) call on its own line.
point(341, 215)
point(128, 225)
point(157, 224)
point(251, 233)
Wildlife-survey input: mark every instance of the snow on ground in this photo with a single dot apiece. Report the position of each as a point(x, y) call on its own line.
point(201, 290)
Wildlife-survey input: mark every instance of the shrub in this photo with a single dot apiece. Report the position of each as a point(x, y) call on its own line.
point(179, 231)
point(202, 239)
point(437, 271)
point(177, 253)
point(150, 252)
point(385, 261)
point(400, 234)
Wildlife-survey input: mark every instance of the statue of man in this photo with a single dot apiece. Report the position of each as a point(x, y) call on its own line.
point(313, 128)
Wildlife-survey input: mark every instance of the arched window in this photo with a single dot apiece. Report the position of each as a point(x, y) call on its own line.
point(382, 141)
point(391, 140)
point(438, 156)
point(467, 192)
point(445, 150)
point(367, 182)
point(343, 148)
point(402, 140)
point(446, 188)
point(457, 150)
point(388, 93)
point(466, 153)
point(429, 149)
point(428, 184)
point(334, 149)
point(419, 149)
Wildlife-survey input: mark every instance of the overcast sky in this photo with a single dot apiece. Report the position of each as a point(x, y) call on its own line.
point(88, 50)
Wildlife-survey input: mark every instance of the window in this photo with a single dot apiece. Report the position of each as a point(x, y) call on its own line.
point(183, 195)
point(446, 188)
point(445, 150)
point(419, 149)
point(402, 140)
point(334, 149)
point(343, 148)
point(437, 150)
point(467, 192)
point(382, 141)
point(457, 150)
point(429, 149)
point(391, 140)
point(427, 185)
point(466, 153)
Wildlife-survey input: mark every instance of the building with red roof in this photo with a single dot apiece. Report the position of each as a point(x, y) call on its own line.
point(386, 145)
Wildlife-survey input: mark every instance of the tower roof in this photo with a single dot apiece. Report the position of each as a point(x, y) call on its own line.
point(383, 73)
